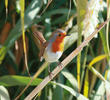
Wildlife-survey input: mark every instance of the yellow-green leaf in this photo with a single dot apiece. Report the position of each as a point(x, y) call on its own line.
point(86, 84)
point(22, 5)
point(97, 59)
point(6, 6)
point(6, 3)
point(81, 11)
point(2, 53)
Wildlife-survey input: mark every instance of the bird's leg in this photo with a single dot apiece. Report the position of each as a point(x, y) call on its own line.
point(49, 69)
point(50, 73)
point(60, 64)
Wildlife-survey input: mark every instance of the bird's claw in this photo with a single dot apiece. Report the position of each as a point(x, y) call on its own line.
point(60, 65)
point(50, 75)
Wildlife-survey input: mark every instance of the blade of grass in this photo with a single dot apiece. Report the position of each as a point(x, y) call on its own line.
point(15, 80)
point(84, 65)
point(22, 5)
point(6, 6)
point(107, 36)
point(103, 38)
point(93, 80)
point(81, 9)
point(97, 73)
point(107, 28)
point(97, 59)
point(86, 84)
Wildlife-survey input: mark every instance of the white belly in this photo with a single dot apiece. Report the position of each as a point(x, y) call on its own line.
point(50, 56)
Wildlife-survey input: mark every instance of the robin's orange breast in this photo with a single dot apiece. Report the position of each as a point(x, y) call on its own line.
point(58, 45)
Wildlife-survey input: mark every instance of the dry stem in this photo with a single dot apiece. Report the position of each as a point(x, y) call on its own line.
point(65, 62)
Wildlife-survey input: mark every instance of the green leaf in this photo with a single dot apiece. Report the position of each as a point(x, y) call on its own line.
point(107, 88)
point(4, 95)
point(100, 91)
point(54, 12)
point(70, 78)
point(103, 37)
point(97, 59)
point(14, 80)
point(58, 91)
point(72, 91)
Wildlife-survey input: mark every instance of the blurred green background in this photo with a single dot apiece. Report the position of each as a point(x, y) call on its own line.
point(13, 73)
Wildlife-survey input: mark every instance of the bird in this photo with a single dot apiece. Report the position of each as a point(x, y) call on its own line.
point(55, 47)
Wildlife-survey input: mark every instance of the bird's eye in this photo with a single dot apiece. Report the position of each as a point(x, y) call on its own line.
point(59, 35)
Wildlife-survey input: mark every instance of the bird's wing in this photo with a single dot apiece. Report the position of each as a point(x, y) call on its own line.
point(41, 53)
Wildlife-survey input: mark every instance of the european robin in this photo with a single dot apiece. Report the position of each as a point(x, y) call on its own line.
point(55, 47)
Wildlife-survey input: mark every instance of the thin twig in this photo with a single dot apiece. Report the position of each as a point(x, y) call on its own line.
point(49, 1)
point(64, 62)
point(69, 10)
